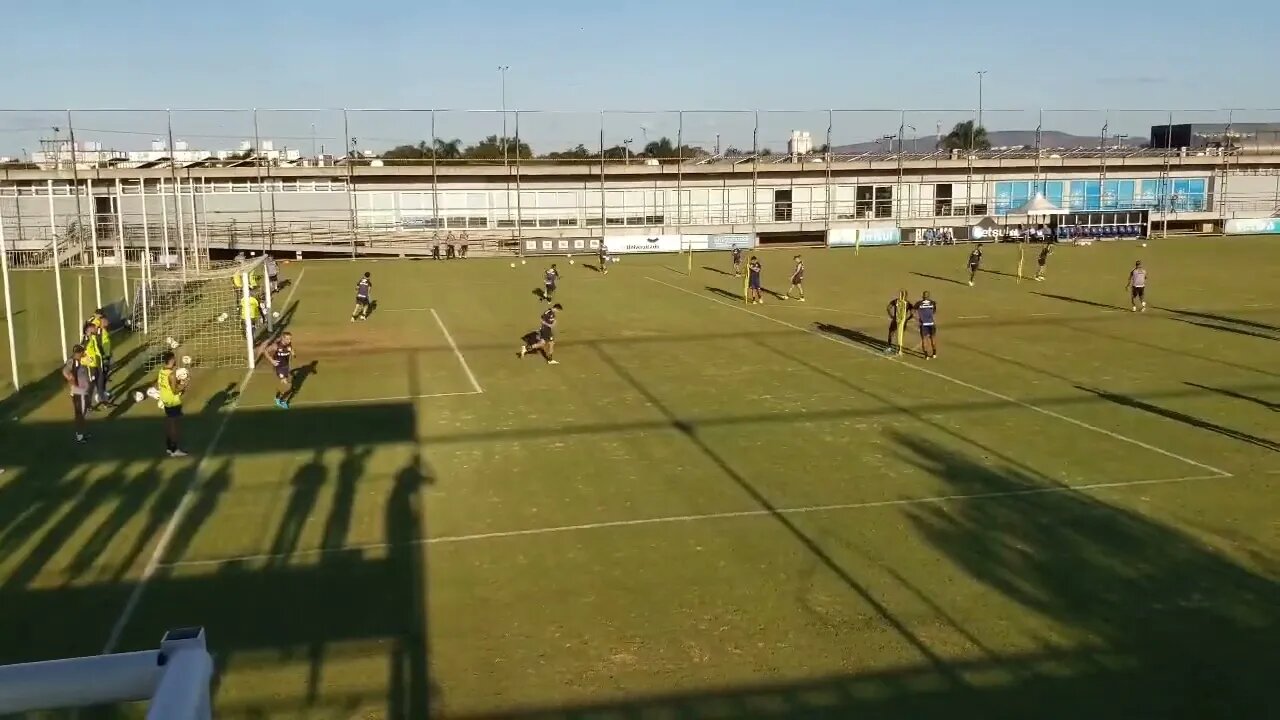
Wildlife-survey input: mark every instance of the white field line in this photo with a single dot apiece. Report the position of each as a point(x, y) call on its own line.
point(962, 383)
point(972, 317)
point(461, 360)
point(347, 401)
point(184, 505)
point(701, 517)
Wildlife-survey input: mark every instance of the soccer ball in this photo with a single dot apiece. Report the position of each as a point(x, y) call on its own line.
point(182, 373)
point(173, 344)
point(153, 393)
point(615, 259)
point(1144, 244)
point(513, 264)
point(570, 262)
point(138, 396)
point(223, 317)
point(524, 262)
point(275, 315)
point(186, 359)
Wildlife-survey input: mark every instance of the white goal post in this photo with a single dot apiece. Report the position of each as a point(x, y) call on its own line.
point(175, 679)
point(204, 312)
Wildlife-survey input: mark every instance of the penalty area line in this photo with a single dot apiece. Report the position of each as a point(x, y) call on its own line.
point(962, 383)
point(351, 401)
point(184, 506)
point(701, 517)
point(461, 360)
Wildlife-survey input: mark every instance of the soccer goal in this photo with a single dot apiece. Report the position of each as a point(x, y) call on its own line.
point(215, 315)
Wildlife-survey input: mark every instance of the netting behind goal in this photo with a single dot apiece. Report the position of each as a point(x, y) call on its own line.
point(198, 312)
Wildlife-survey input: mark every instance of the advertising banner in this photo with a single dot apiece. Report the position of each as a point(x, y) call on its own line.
point(1253, 226)
point(729, 241)
point(547, 246)
point(849, 237)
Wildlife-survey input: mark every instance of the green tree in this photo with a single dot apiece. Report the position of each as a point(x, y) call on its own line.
point(448, 149)
point(407, 152)
point(491, 148)
point(580, 152)
point(964, 136)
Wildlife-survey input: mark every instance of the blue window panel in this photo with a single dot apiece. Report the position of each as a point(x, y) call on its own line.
point(1149, 194)
point(1110, 189)
point(1021, 193)
point(1196, 195)
point(1003, 191)
point(1053, 192)
point(1124, 194)
point(1091, 193)
point(1077, 195)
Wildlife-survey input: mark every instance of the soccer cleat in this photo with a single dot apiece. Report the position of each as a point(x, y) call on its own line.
point(970, 283)
point(1133, 308)
point(353, 319)
point(177, 453)
point(553, 362)
point(523, 351)
point(801, 299)
point(81, 438)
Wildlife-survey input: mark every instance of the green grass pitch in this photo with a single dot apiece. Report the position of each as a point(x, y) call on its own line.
point(707, 510)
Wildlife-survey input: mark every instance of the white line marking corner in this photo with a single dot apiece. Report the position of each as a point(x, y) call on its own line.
point(461, 360)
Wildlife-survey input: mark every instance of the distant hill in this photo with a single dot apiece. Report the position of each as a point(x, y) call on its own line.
point(1004, 138)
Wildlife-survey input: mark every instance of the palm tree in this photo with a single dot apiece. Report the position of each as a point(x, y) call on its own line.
point(448, 149)
point(965, 136)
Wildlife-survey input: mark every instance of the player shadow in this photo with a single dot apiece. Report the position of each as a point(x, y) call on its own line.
point(373, 308)
point(299, 376)
point(224, 397)
point(856, 337)
point(540, 293)
point(593, 267)
point(1228, 329)
point(1221, 318)
point(1080, 301)
point(999, 272)
point(736, 297)
point(939, 277)
point(1274, 407)
point(1183, 418)
point(718, 270)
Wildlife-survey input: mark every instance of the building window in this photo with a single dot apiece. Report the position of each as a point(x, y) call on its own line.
point(884, 201)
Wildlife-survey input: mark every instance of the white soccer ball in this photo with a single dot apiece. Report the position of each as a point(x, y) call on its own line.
point(1144, 244)
point(524, 262)
point(153, 393)
point(186, 359)
point(570, 262)
point(182, 373)
point(513, 264)
point(275, 316)
point(171, 342)
point(138, 395)
point(223, 317)
point(615, 259)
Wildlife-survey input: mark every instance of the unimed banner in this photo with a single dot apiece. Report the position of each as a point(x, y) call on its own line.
point(1253, 226)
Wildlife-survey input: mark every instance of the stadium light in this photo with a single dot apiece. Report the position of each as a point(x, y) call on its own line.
point(174, 678)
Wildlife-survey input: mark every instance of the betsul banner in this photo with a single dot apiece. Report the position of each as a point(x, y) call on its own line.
point(849, 237)
point(1253, 226)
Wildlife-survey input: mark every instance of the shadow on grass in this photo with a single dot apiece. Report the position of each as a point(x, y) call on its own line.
point(69, 533)
point(1183, 418)
point(1228, 329)
point(856, 337)
point(1215, 317)
point(736, 297)
point(1177, 629)
point(939, 277)
point(1274, 407)
point(718, 270)
point(1081, 301)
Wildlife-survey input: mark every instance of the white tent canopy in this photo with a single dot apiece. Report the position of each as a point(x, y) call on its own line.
point(1037, 205)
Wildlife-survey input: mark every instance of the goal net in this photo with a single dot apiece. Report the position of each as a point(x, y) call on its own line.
point(207, 315)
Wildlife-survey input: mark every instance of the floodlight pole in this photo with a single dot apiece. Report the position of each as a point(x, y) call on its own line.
point(8, 307)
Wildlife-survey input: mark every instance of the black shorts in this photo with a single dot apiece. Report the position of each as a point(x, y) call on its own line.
point(80, 405)
point(547, 334)
point(797, 280)
point(893, 326)
point(928, 330)
point(549, 288)
point(362, 300)
point(1138, 293)
point(284, 373)
point(973, 268)
point(173, 411)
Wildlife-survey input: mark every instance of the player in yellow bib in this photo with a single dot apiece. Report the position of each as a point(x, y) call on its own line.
point(171, 389)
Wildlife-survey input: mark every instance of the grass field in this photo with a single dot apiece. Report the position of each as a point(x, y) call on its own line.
point(708, 510)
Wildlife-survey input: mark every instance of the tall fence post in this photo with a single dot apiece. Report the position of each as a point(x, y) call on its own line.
point(519, 209)
point(257, 162)
point(57, 273)
point(829, 156)
point(349, 142)
point(177, 197)
point(8, 305)
point(124, 255)
point(93, 243)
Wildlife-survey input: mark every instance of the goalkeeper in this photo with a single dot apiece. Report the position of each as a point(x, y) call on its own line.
point(253, 312)
point(899, 311)
point(171, 383)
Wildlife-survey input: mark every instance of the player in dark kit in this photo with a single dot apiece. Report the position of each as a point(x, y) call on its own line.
point(1042, 261)
point(797, 280)
point(549, 282)
point(899, 312)
point(1138, 287)
point(602, 255)
point(926, 314)
point(737, 261)
point(363, 287)
point(544, 340)
point(975, 262)
point(753, 281)
point(280, 353)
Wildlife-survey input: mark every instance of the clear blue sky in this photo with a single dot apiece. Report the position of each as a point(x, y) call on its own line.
point(585, 56)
